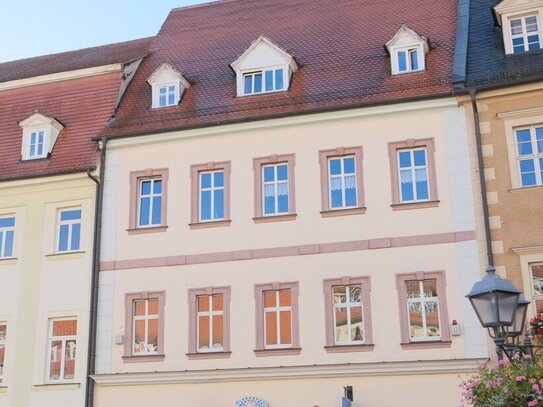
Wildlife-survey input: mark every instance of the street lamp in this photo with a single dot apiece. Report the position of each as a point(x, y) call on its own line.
point(519, 319)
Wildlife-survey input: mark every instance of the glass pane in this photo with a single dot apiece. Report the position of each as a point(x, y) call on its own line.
point(218, 178)
point(139, 336)
point(203, 333)
point(402, 61)
point(278, 79)
point(205, 205)
point(152, 306)
point(145, 187)
point(406, 186)
point(8, 247)
point(55, 360)
point(414, 60)
point(171, 95)
point(527, 166)
point(139, 307)
point(335, 166)
point(205, 180)
point(162, 97)
point(269, 81)
point(404, 158)
point(419, 157)
point(217, 302)
point(248, 84)
point(286, 328)
point(152, 339)
point(516, 27)
point(65, 328)
point(157, 210)
point(269, 173)
point(203, 303)
point(76, 236)
point(539, 139)
point(269, 200)
point(356, 324)
point(271, 328)
point(339, 294)
point(533, 42)
point(355, 293)
point(348, 165)
point(282, 172)
point(3, 331)
point(531, 24)
point(144, 211)
point(269, 299)
point(63, 238)
point(284, 298)
point(218, 340)
point(528, 179)
point(350, 191)
point(7, 222)
point(422, 189)
point(413, 289)
point(71, 215)
point(432, 319)
point(415, 320)
point(69, 359)
point(157, 186)
point(336, 193)
point(258, 83)
point(341, 328)
point(430, 288)
point(218, 196)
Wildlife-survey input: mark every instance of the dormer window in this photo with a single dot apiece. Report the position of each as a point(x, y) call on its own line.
point(167, 86)
point(263, 68)
point(40, 134)
point(521, 24)
point(407, 51)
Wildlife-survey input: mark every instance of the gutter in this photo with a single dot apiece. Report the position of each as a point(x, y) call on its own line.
point(91, 354)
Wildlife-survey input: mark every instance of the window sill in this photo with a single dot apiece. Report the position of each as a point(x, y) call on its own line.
point(343, 212)
point(277, 352)
point(208, 355)
point(414, 205)
point(153, 229)
point(6, 261)
point(532, 187)
point(56, 386)
point(65, 255)
point(210, 224)
point(426, 345)
point(349, 348)
point(3, 389)
point(143, 358)
point(275, 218)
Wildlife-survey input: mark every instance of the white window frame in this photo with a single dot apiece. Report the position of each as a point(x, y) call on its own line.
point(535, 156)
point(70, 224)
point(3, 239)
point(524, 35)
point(342, 176)
point(3, 346)
point(262, 71)
point(413, 169)
point(275, 183)
point(145, 317)
point(419, 49)
point(422, 300)
point(151, 195)
point(348, 305)
point(212, 190)
point(211, 313)
point(535, 297)
point(28, 143)
point(277, 310)
point(64, 339)
point(166, 87)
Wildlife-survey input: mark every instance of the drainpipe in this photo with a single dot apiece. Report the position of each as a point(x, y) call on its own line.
point(91, 357)
point(489, 253)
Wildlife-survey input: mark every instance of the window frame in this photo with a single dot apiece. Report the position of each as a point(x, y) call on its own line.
point(536, 298)
point(195, 171)
point(129, 300)
point(536, 156)
point(27, 143)
point(262, 71)
point(136, 177)
point(193, 294)
point(70, 224)
point(64, 339)
point(261, 348)
point(4, 230)
point(329, 311)
point(3, 342)
point(412, 144)
point(324, 157)
point(524, 35)
point(421, 56)
point(445, 338)
point(166, 86)
point(258, 164)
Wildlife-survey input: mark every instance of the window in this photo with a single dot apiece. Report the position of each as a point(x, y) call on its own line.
point(529, 143)
point(145, 325)
point(36, 149)
point(407, 50)
point(7, 233)
point(537, 283)
point(209, 322)
point(148, 196)
point(3, 332)
point(423, 311)
point(348, 313)
point(413, 174)
point(69, 230)
point(271, 80)
point(167, 95)
point(210, 184)
point(274, 187)
point(277, 317)
point(408, 60)
point(40, 134)
point(525, 34)
point(341, 181)
point(62, 350)
point(168, 85)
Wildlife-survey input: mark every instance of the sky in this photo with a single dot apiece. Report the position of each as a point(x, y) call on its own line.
point(30, 28)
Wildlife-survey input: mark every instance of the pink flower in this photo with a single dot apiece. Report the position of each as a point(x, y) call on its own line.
point(520, 378)
point(532, 403)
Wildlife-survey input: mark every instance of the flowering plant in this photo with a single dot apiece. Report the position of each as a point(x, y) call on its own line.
point(518, 383)
point(537, 324)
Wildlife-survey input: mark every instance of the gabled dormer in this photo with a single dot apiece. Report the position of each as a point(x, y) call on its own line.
point(263, 68)
point(521, 22)
point(407, 51)
point(40, 133)
point(167, 86)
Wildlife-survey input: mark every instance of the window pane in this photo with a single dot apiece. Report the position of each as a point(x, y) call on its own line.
point(70, 215)
point(342, 329)
point(335, 166)
point(405, 159)
point(152, 306)
point(65, 328)
point(63, 238)
point(69, 359)
point(217, 302)
point(171, 95)
point(336, 193)
point(286, 328)
point(406, 186)
point(258, 83)
point(203, 303)
point(414, 60)
point(76, 235)
point(203, 333)
point(219, 204)
point(402, 61)
point(157, 186)
point(524, 142)
point(350, 191)
point(355, 293)
point(413, 289)
point(282, 198)
point(218, 340)
point(419, 157)
point(139, 307)
point(284, 298)
point(528, 179)
point(145, 187)
point(278, 79)
point(348, 165)
point(205, 205)
point(269, 81)
point(539, 139)
point(269, 199)
point(432, 319)
point(8, 248)
point(516, 27)
point(422, 189)
point(152, 339)
point(7, 222)
point(269, 173)
point(205, 180)
point(139, 336)
point(271, 328)
point(531, 24)
point(269, 299)
point(340, 296)
point(533, 42)
point(415, 320)
point(218, 178)
point(55, 360)
point(248, 84)
point(282, 172)
point(430, 288)
point(527, 172)
point(356, 324)
point(162, 97)
point(157, 210)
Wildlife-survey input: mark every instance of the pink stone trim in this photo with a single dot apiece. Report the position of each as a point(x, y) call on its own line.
point(298, 250)
point(153, 229)
point(439, 276)
point(324, 155)
point(193, 293)
point(329, 310)
point(257, 168)
point(426, 345)
point(348, 348)
point(277, 352)
point(259, 313)
point(211, 224)
point(414, 205)
point(143, 358)
point(129, 298)
point(343, 212)
point(275, 218)
point(393, 148)
point(195, 171)
point(135, 177)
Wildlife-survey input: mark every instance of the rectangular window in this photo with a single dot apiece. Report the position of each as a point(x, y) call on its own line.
point(263, 81)
point(525, 34)
point(274, 187)
point(413, 175)
point(69, 230)
point(342, 181)
point(277, 317)
point(150, 202)
point(148, 197)
point(166, 95)
point(529, 142)
point(62, 350)
point(537, 281)
point(211, 196)
point(7, 234)
point(144, 324)
point(36, 149)
point(408, 60)
point(3, 333)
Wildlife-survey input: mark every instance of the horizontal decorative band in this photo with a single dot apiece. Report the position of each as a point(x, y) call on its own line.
point(299, 250)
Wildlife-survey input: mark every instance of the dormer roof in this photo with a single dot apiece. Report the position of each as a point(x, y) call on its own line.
point(38, 119)
point(165, 73)
point(514, 6)
point(261, 53)
point(405, 37)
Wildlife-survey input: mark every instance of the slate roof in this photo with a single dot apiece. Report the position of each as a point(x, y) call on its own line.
point(82, 105)
point(487, 63)
point(339, 46)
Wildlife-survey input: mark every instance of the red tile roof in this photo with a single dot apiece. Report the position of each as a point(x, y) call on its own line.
point(338, 44)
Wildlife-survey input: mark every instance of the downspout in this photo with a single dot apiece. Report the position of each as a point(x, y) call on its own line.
point(91, 354)
point(488, 237)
